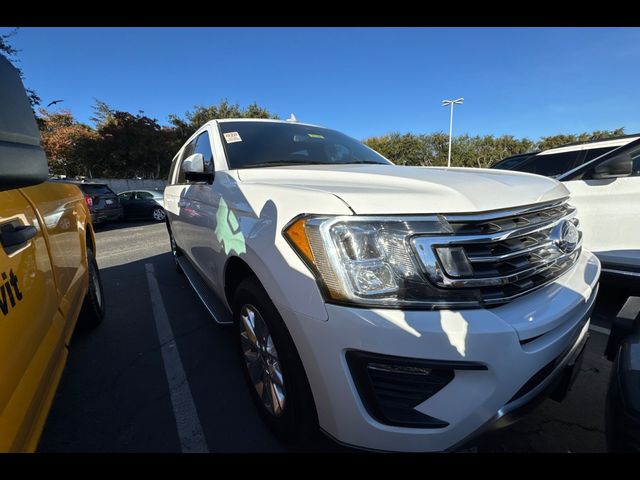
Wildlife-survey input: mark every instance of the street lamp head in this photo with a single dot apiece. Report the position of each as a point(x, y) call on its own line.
point(457, 101)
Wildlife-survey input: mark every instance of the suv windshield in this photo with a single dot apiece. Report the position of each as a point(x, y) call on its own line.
point(264, 144)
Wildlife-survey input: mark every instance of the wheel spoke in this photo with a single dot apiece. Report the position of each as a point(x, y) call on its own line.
point(277, 398)
point(250, 353)
point(276, 375)
point(261, 331)
point(248, 322)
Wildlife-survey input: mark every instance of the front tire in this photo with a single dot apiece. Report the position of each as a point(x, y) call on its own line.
point(273, 370)
point(158, 214)
point(93, 307)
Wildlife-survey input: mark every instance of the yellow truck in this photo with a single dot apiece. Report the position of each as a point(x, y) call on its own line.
point(49, 277)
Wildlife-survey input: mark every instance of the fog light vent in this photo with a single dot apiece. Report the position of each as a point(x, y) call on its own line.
point(391, 387)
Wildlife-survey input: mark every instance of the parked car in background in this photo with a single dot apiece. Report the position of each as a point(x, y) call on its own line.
point(103, 202)
point(49, 276)
point(395, 308)
point(143, 204)
point(557, 161)
point(603, 178)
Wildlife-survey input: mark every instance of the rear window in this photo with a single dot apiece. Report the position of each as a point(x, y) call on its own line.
point(96, 189)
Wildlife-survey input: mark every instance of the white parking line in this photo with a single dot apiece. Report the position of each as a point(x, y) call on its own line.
point(598, 329)
point(192, 439)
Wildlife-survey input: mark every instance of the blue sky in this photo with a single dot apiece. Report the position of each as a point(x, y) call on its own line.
point(362, 81)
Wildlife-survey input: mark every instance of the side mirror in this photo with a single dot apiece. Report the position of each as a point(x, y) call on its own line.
point(193, 168)
point(620, 166)
point(22, 159)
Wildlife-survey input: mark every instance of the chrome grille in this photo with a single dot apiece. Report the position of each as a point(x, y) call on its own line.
point(502, 254)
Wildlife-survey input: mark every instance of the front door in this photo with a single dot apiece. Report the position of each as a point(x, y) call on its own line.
point(31, 327)
point(609, 210)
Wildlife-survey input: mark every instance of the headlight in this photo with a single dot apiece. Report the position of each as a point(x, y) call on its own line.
point(366, 260)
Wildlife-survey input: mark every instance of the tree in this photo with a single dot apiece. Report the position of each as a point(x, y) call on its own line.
point(102, 113)
point(466, 151)
point(432, 149)
point(10, 53)
point(67, 143)
point(201, 115)
point(554, 141)
point(133, 146)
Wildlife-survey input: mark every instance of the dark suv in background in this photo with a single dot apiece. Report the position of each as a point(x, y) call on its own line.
point(103, 202)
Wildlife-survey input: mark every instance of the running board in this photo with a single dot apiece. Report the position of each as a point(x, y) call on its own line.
point(212, 303)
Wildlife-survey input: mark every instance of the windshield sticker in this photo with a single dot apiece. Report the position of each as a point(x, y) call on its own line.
point(232, 137)
point(315, 135)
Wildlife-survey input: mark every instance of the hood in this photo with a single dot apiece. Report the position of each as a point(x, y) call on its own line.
point(393, 189)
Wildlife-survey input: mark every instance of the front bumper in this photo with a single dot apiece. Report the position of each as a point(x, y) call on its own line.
point(513, 342)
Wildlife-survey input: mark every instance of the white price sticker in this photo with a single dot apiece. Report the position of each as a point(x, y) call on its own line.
point(232, 137)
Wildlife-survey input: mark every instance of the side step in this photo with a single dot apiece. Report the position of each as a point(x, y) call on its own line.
point(212, 303)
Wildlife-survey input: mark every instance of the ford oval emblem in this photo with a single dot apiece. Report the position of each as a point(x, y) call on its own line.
point(565, 236)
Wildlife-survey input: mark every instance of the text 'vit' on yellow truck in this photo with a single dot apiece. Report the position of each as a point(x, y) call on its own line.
point(49, 276)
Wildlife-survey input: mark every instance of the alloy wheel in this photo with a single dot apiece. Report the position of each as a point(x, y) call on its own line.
point(262, 361)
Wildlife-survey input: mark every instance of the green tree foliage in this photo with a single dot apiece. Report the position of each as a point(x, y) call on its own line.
point(126, 145)
point(102, 113)
point(468, 151)
point(132, 146)
point(554, 141)
point(432, 149)
point(200, 115)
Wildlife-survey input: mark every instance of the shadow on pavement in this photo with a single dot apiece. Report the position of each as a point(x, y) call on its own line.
point(120, 224)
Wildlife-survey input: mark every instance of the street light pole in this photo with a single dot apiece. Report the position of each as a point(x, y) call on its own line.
point(457, 101)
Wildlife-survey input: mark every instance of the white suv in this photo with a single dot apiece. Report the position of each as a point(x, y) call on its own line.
point(395, 308)
point(603, 178)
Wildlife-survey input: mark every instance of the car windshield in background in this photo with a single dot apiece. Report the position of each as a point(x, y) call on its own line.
point(264, 144)
point(96, 189)
point(549, 165)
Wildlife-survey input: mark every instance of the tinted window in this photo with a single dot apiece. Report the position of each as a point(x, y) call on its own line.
point(96, 190)
point(511, 162)
point(143, 195)
point(251, 144)
point(596, 152)
point(550, 165)
point(203, 146)
point(125, 195)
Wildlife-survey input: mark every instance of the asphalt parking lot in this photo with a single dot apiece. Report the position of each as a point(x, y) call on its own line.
point(114, 395)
